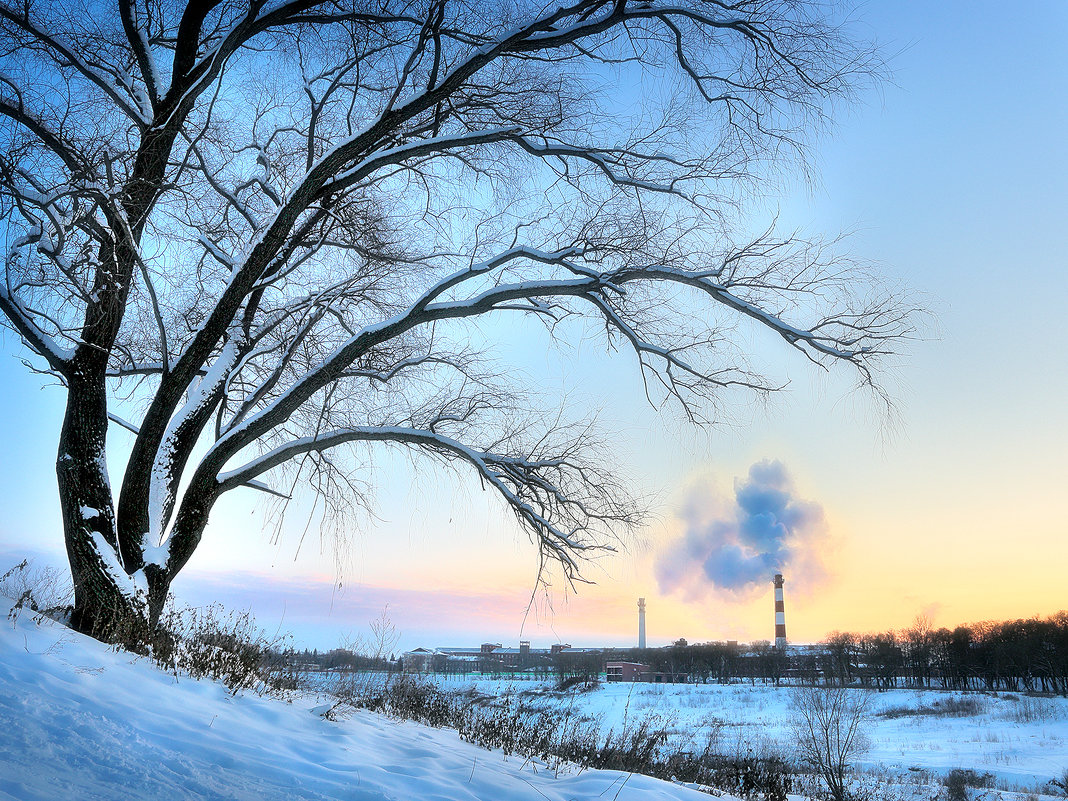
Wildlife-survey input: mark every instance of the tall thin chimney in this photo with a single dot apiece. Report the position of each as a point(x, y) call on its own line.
point(780, 613)
point(641, 622)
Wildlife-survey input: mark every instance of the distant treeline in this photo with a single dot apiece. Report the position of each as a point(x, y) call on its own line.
point(341, 659)
point(1019, 655)
point(1028, 655)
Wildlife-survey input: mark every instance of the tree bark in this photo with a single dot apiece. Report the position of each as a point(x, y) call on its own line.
point(86, 503)
point(108, 603)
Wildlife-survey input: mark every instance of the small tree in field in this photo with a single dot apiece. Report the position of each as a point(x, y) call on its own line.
point(828, 727)
point(270, 229)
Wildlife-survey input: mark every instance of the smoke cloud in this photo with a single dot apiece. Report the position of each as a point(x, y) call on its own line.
point(734, 547)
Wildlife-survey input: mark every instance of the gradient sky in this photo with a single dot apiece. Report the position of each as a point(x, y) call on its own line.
point(954, 180)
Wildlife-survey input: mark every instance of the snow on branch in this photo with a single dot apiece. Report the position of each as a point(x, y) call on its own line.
point(33, 335)
point(66, 55)
point(44, 132)
point(851, 337)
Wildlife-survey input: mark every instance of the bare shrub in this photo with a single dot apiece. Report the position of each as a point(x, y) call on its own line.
point(952, 707)
point(225, 646)
point(959, 707)
point(955, 786)
point(1029, 709)
point(515, 724)
point(373, 650)
point(828, 726)
point(211, 642)
point(1061, 782)
point(40, 589)
point(958, 780)
point(578, 683)
point(767, 778)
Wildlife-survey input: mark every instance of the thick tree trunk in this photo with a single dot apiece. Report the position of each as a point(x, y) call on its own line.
point(101, 608)
point(109, 604)
point(117, 596)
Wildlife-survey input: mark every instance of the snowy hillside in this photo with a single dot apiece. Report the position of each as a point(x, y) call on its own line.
point(79, 721)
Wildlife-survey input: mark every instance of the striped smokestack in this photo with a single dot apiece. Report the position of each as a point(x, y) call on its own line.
point(641, 622)
point(780, 613)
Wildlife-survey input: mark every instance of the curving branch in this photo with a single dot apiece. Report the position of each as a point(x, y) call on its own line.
point(48, 137)
point(536, 488)
point(67, 55)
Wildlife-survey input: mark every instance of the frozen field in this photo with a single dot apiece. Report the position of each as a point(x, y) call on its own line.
point(1022, 741)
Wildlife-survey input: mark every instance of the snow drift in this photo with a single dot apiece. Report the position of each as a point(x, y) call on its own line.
point(78, 720)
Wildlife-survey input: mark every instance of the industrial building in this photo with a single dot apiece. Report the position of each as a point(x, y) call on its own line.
point(494, 657)
point(487, 657)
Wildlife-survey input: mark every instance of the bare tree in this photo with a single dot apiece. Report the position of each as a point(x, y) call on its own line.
point(919, 640)
point(270, 227)
point(828, 727)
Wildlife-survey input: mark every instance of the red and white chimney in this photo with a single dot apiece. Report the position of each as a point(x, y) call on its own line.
point(780, 614)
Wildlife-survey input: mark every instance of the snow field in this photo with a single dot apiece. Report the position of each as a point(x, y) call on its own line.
point(78, 720)
point(1021, 740)
point(83, 722)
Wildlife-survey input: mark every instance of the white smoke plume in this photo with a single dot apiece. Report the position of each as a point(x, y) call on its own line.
point(734, 548)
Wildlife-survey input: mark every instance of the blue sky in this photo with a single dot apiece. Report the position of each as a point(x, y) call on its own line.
point(953, 181)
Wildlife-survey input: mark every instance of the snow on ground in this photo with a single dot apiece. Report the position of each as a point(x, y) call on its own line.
point(80, 721)
point(1020, 740)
